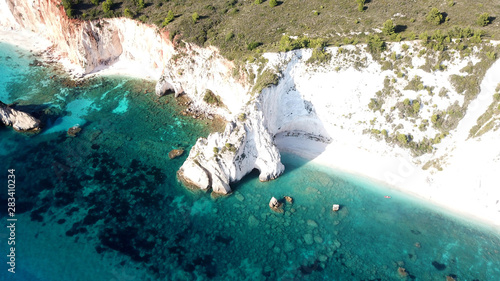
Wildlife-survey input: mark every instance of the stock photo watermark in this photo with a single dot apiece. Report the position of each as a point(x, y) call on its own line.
point(11, 220)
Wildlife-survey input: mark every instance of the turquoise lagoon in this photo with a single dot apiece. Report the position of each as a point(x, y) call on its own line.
point(106, 205)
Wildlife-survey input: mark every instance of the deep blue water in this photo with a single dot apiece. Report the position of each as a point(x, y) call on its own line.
point(106, 205)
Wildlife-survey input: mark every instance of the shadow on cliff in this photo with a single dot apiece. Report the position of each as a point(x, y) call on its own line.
point(292, 122)
point(296, 128)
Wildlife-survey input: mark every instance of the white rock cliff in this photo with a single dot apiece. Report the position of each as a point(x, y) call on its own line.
point(20, 121)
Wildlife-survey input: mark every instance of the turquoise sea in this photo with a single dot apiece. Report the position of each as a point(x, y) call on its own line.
point(106, 204)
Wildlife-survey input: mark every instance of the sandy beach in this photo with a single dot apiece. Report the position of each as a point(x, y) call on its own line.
point(394, 173)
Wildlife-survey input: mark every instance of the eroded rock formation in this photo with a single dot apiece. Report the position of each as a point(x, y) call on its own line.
point(19, 120)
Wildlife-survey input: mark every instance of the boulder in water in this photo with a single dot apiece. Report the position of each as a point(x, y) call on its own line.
point(174, 153)
point(73, 131)
point(275, 205)
point(335, 207)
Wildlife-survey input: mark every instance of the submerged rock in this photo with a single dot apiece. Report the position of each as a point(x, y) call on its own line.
point(20, 121)
point(289, 199)
point(402, 272)
point(73, 131)
point(174, 153)
point(312, 223)
point(308, 238)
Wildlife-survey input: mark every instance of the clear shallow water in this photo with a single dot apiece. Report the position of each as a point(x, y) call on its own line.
point(106, 205)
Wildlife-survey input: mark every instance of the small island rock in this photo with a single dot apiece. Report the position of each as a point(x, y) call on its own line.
point(274, 204)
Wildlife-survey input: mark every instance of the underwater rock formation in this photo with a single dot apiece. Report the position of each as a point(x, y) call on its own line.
point(174, 153)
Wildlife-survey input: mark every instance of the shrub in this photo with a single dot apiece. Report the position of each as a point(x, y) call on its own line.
point(266, 79)
point(483, 19)
point(402, 138)
point(252, 45)
point(434, 17)
point(95, 2)
point(170, 17)
point(195, 17)
point(143, 18)
point(288, 44)
point(451, 3)
point(229, 36)
point(211, 98)
point(388, 28)
point(375, 104)
point(242, 117)
point(140, 4)
point(273, 3)
point(319, 55)
point(128, 13)
point(257, 2)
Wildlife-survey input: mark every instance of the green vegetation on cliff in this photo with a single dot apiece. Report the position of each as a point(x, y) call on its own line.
point(242, 28)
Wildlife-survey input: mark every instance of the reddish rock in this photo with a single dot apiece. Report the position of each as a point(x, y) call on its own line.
point(73, 131)
point(174, 153)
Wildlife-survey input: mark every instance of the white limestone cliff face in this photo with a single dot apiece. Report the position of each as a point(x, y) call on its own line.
point(87, 47)
point(20, 121)
point(136, 49)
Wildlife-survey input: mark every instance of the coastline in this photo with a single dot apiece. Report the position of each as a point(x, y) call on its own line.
point(377, 163)
point(374, 168)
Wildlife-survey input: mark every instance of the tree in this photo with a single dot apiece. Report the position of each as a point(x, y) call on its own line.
point(106, 5)
point(483, 20)
point(361, 5)
point(375, 44)
point(388, 28)
point(170, 17)
point(273, 3)
point(68, 7)
point(434, 16)
point(195, 17)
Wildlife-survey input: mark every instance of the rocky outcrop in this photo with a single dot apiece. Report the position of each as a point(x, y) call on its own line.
point(221, 159)
point(20, 121)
